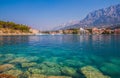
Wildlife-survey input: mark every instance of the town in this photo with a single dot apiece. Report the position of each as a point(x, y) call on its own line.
point(81, 31)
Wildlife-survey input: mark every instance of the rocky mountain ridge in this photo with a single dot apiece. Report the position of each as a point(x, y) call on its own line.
point(105, 17)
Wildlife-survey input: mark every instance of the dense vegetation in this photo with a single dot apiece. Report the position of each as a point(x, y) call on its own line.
point(75, 31)
point(14, 26)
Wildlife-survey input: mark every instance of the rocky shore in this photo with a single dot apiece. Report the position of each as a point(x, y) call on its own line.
point(8, 34)
point(7, 31)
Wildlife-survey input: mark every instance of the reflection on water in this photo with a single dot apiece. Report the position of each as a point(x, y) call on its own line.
point(61, 55)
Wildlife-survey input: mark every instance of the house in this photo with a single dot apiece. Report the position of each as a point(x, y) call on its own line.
point(95, 30)
point(117, 31)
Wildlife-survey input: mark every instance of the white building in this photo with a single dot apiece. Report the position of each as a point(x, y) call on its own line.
point(82, 31)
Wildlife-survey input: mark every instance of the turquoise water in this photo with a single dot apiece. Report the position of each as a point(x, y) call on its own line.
point(54, 53)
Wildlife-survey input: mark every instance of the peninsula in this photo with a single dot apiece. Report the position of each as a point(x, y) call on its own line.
point(11, 28)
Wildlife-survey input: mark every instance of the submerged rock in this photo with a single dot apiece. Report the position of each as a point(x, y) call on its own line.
point(9, 55)
point(33, 58)
point(14, 72)
point(6, 67)
point(7, 76)
point(44, 76)
point(58, 77)
point(73, 63)
point(35, 71)
point(37, 76)
point(50, 64)
point(25, 74)
point(50, 68)
point(111, 68)
point(28, 64)
point(1, 55)
point(91, 72)
point(7, 58)
point(68, 71)
point(52, 71)
point(19, 60)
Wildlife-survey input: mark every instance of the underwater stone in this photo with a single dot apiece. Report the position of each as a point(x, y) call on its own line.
point(35, 71)
point(19, 60)
point(44, 76)
point(37, 76)
point(58, 77)
point(14, 72)
point(1, 55)
point(50, 64)
point(73, 63)
point(7, 76)
point(111, 68)
point(6, 67)
point(68, 71)
point(50, 68)
point(33, 58)
point(25, 74)
point(28, 64)
point(91, 72)
point(53, 71)
point(8, 57)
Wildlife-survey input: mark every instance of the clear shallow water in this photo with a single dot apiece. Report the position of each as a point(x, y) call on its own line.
point(59, 52)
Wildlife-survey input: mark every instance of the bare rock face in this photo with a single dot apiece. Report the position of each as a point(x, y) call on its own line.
point(91, 72)
point(105, 17)
point(110, 15)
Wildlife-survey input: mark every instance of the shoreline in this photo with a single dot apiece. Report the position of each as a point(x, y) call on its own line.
point(18, 34)
point(15, 34)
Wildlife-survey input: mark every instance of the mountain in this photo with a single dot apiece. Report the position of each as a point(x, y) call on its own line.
point(99, 18)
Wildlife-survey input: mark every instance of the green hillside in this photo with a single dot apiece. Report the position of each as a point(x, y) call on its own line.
point(14, 26)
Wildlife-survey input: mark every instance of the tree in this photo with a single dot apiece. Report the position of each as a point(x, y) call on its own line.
point(12, 25)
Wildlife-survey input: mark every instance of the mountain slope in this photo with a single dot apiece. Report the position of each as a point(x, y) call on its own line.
point(102, 17)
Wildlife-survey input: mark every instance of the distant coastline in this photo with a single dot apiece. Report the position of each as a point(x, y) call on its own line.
point(11, 28)
point(9, 34)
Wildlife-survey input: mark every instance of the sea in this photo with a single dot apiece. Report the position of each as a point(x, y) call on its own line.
point(61, 55)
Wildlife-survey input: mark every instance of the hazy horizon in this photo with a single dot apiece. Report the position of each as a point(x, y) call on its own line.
point(47, 14)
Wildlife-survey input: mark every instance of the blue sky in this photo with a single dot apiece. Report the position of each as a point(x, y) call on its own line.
point(47, 14)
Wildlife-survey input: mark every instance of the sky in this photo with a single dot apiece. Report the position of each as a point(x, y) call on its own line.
point(47, 14)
